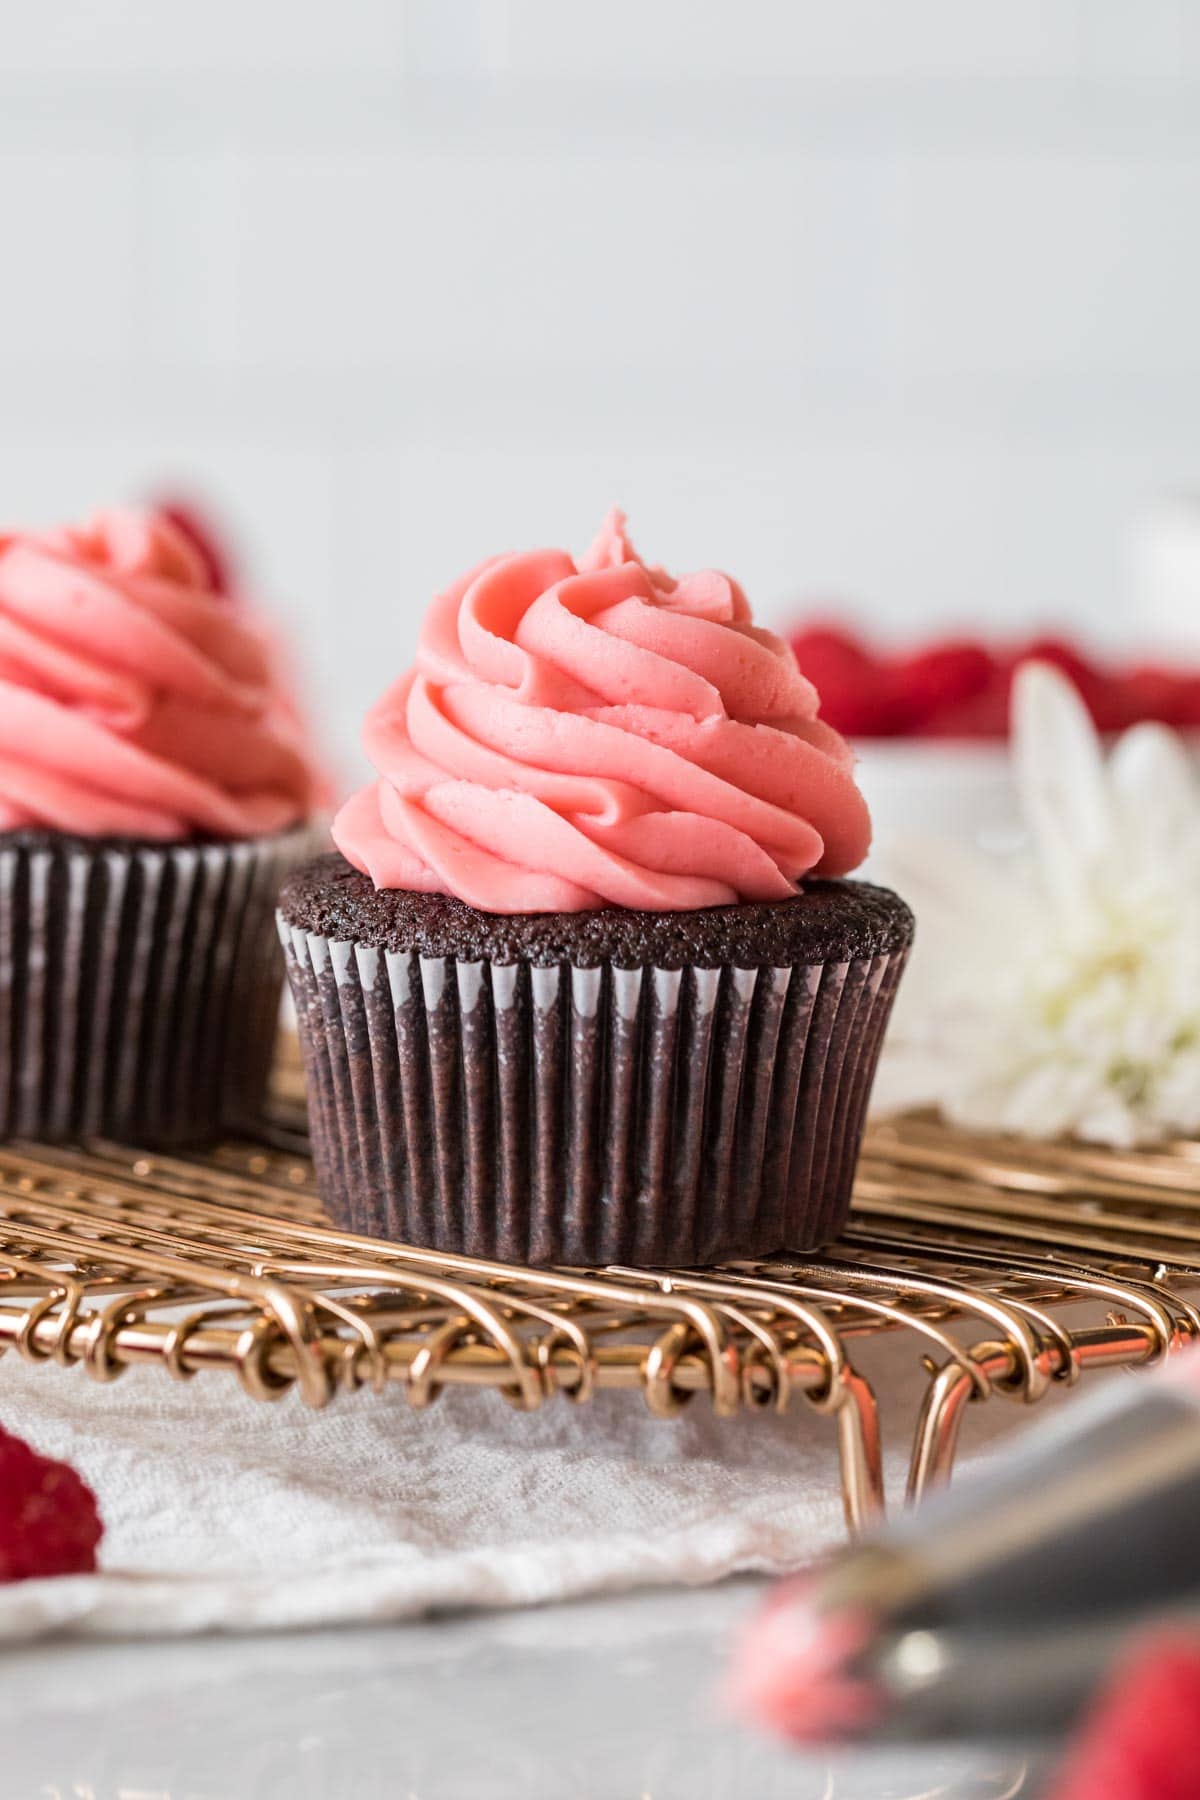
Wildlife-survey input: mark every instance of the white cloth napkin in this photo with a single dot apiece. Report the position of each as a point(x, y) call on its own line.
point(223, 1513)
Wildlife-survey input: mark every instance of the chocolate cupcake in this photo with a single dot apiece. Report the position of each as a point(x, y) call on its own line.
point(153, 792)
point(582, 985)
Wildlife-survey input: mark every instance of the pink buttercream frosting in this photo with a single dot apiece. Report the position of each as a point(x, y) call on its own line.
point(135, 701)
point(588, 734)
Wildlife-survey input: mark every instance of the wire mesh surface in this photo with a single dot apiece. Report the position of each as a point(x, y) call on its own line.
point(1004, 1266)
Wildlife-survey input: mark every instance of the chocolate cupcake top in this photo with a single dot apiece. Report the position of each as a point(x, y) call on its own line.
point(135, 701)
point(839, 921)
point(577, 736)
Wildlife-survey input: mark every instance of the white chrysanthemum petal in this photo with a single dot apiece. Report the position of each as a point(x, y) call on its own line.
point(1173, 1101)
point(1059, 768)
point(1154, 787)
point(1108, 1119)
point(908, 1078)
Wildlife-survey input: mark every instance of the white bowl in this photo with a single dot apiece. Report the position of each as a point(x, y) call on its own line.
point(961, 790)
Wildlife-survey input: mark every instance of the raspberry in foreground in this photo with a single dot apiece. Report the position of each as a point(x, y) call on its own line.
point(1142, 1740)
point(49, 1521)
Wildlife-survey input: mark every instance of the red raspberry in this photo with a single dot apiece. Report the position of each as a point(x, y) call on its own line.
point(49, 1523)
point(1142, 1741)
point(1187, 702)
point(205, 539)
point(1162, 694)
point(960, 688)
point(944, 677)
point(984, 716)
point(859, 696)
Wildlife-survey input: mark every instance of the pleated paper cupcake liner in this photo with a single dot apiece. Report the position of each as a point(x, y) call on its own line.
point(139, 985)
point(599, 1115)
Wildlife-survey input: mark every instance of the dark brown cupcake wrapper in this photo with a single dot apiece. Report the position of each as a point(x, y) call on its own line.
point(139, 985)
point(586, 1115)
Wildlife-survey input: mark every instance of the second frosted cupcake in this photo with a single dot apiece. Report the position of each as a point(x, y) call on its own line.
point(153, 791)
point(561, 997)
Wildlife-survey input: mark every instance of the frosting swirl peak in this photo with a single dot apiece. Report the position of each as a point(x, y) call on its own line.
point(135, 701)
point(576, 735)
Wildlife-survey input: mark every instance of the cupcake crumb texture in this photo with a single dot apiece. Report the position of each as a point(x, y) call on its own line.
point(839, 921)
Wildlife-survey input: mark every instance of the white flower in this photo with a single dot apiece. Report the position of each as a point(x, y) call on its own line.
point(1057, 990)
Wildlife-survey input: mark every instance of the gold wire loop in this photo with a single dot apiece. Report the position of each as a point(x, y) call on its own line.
point(564, 1333)
point(422, 1387)
point(100, 1333)
point(662, 1397)
point(251, 1351)
point(175, 1346)
point(26, 1332)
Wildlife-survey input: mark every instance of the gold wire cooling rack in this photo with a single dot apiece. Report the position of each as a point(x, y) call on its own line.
point(1007, 1266)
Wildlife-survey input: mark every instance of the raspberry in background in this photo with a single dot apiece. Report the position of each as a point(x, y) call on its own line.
point(955, 676)
point(958, 687)
point(1142, 1739)
point(205, 537)
point(49, 1521)
point(859, 695)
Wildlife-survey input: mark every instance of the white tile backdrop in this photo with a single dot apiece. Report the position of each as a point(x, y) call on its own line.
point(896, 302)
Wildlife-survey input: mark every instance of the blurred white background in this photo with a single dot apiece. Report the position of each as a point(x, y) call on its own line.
point(895, 303)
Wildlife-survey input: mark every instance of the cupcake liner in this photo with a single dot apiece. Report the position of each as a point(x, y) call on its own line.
point(139, 988)
point(586, 1115)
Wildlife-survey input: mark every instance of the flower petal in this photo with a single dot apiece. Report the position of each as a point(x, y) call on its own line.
point(1155, 791)
point(1058, 764)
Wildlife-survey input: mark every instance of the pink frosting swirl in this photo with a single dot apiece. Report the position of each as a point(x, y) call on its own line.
point(134, 701)
point(594, 734)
